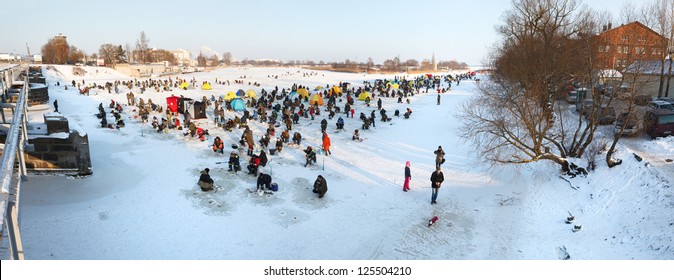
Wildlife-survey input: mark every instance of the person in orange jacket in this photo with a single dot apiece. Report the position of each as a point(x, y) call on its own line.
point(326, 144)
point(218, 145)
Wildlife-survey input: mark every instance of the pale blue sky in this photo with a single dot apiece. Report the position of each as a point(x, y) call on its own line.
point(300, 29)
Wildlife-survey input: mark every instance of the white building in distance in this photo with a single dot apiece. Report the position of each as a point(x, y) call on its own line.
point(183, 57)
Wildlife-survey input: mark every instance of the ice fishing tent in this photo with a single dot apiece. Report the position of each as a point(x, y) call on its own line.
point(184, 85)
point(318, 88)
point(364, 96)
point(336, 90)
point(316, 99)
point(206, 86)
point(303, 92)
point(392, 85)
point(240, 93)
point(199, 110)
point(172, 103)
point(238, 105)
point(182, 104)
point(251, 93)
point(230, 95)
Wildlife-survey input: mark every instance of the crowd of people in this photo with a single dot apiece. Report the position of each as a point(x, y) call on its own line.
point(281, 111)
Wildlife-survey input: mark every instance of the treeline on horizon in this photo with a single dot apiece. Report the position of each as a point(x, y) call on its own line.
point(58, 51)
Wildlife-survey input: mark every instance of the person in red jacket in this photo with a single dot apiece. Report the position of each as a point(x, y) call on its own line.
point(253, 164)
point(436, 180)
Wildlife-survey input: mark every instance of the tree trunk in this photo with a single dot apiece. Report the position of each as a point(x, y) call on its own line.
point(662, 78)
point(559, 160)
point(669, 77)
point(609, 154)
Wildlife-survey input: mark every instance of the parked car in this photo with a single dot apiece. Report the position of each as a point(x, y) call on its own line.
point(668, 100)
point(631, 126)
point(642, 100)
point(660, 104)
point(606, 113)
point(573, 97)
point(659, 123)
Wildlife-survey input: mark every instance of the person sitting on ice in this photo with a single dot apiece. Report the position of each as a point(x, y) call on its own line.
point(310, 156)
point(356, 136)
point(340, 123)
point(264, 141)
point(253, 164)
point(205, 181)
point(320, 186)
point(285, 136)
point(263, 158)
point(297, 138)
point(176, 124)
point(279, 145)
point(155, 122)
point(201, 133)
point(218, 145)
point(234, 164)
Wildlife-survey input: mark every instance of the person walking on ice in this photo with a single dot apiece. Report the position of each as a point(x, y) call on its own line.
point(436, 180)
point(408, 177)
point(439, 157)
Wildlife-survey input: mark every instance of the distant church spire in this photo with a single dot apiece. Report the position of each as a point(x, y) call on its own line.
point(433, 62)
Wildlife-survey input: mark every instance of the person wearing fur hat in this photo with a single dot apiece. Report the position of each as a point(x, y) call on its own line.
point(205, 181)
point(408, 177)
point(320, 186)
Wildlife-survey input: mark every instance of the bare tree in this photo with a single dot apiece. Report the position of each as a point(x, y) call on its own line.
point(56, 50)
point(227, 58)
point(112, 54)
point(202, 60)
point(628, 13)
point(515, 117)
point(142, 48)
point(370, 62)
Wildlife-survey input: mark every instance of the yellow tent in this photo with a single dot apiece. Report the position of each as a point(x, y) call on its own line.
point(184, 85)
point(251, 93)
point(206, 86)
point(303, 92)
point(316, 98)
point(364, 95)
point(336, 89)
point(394, 85)
point(230, 95)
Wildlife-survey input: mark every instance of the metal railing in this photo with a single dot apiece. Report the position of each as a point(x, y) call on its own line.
point(13, 150)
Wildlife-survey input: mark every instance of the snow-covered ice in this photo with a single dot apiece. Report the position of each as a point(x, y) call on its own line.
point(142, 201)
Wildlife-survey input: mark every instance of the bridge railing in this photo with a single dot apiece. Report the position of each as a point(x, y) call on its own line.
point(10, 185)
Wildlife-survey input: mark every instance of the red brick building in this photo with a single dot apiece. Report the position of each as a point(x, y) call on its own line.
point(619, 47)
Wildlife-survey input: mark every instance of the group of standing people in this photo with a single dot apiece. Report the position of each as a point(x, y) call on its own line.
point(437, 177)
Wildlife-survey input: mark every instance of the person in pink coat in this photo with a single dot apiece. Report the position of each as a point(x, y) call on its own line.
point(408, 177)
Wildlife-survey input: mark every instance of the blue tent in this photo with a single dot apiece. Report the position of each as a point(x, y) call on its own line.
point(238, 105)
point(292, 95)
point(240, 93)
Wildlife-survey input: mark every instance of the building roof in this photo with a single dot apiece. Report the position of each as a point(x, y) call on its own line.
point(634, 23)
point(647, 67)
